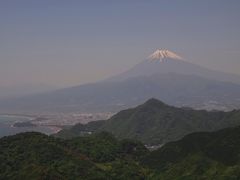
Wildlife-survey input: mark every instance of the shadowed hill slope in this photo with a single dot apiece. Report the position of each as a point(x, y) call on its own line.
point(203, 155)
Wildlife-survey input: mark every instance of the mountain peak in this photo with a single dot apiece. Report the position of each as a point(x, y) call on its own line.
point(154, 102)
point(161, 54)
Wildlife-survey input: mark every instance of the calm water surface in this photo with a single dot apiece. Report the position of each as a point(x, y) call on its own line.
point(6, 126)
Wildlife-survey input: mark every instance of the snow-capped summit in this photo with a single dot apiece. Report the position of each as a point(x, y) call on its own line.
point(161, 54)
point(163, 61)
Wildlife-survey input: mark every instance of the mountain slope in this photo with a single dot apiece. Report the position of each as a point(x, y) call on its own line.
point(157, 123)
point(164, 75)
point(175, 89)
point(37, 156)
point(165, 61)
point(200, 155)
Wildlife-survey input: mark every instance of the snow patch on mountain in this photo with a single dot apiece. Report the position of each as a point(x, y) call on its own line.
point(162, 54)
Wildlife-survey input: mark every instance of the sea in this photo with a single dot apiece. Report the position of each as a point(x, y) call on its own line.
point(7, 121)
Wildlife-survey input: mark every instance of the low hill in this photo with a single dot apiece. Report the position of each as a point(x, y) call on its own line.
point(203, 155)
point(198, 156)
point(99, 156)
point(155, 122)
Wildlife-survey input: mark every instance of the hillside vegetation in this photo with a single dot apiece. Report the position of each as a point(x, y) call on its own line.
point(203, 155)
point(155, 122)
point(100, 156)
point(197, 156)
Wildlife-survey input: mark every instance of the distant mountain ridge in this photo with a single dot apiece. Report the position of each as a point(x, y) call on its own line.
point(155, 122)
point(24, 89)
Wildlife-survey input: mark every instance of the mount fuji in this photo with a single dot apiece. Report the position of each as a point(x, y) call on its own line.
point(165, 61)
point(163, 75)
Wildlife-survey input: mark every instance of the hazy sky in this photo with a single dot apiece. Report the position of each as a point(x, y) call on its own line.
point(65, 43)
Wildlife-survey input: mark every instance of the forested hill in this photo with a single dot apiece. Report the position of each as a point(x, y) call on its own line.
point(36, 156)
point(203, 155)
point(155, 122)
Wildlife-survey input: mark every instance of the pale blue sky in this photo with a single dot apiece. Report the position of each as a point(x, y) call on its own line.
point(66, 43)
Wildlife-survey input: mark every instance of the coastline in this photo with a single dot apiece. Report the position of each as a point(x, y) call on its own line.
point(29, 117)
point(8, 120)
